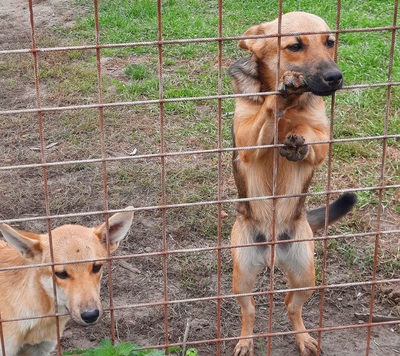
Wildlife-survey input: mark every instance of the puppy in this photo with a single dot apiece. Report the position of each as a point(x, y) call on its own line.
point(302, 68)
point(27, 293)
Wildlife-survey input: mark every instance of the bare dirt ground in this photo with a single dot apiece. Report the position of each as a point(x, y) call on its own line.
point(78, 188)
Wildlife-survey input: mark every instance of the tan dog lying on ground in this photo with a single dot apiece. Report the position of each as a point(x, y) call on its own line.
point(28, 292)
point(306, 72)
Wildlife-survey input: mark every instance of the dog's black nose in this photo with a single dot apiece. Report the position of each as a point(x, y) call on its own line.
point(333, 78)
point(90, 316)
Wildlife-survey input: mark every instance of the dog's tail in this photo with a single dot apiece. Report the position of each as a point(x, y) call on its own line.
point(337, 209)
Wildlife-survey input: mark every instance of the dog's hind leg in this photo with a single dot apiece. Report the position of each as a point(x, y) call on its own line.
point(300, 273)
point(244, 279)
point(246, 267)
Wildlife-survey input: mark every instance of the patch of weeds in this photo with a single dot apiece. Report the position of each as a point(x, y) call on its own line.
point(377, 45)
point(199, 223)
point(74, 168)
point(170, 62)
point(263, 346)
point(76, 128)
point(361, 258)
point(191, 183)
point(349, 253)
point(137, 72)
point(318, 188)
point(347, 150)
point(142, 177)
point(194, 274)
point(390, 265)
point(106, 348)
point(69, 76)
point(371, 197)
point(388, 262)
point(361, 113)
point(389, 256)
point(144, 85)
point(188, 111)
point(16, 66)
point(190, 78)
point(318, 265)
point(333, 244)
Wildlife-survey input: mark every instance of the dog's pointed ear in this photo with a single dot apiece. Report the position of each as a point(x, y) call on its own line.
point(27, 243)
point(247, 43)
point(256, 44)
point(119, 225)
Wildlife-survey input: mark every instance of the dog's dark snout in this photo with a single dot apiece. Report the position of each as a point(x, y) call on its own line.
point(90, 316)
point(333, 78)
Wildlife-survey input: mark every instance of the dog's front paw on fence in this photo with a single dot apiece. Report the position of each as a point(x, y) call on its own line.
point(294, 148)
point(292, 83)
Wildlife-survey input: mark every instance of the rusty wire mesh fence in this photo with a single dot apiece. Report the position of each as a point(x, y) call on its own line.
point(92, 123)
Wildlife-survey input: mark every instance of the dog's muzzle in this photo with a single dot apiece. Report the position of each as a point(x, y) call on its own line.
point(325, 84)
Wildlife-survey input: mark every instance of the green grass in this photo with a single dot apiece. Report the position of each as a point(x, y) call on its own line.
point(191, 70)
point(193, 275)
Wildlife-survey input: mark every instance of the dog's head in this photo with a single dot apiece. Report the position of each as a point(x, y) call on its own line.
point(310, 53)
point(77, 284)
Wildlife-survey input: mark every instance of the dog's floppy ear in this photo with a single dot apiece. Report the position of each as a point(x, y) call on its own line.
point(27, 243)
point(255, 45)
point(119, 225)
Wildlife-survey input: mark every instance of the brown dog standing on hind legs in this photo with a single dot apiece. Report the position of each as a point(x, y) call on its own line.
point(28, 292)
point(307, 71)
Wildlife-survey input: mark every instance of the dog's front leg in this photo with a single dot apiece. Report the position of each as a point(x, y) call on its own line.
point(258, 126)
point(292, 86)
point(299, 128)
point(254, 127)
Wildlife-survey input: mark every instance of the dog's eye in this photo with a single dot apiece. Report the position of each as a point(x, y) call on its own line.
point(62, 274)
point(330, 43)
point(96, 268)
point(296, 47)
